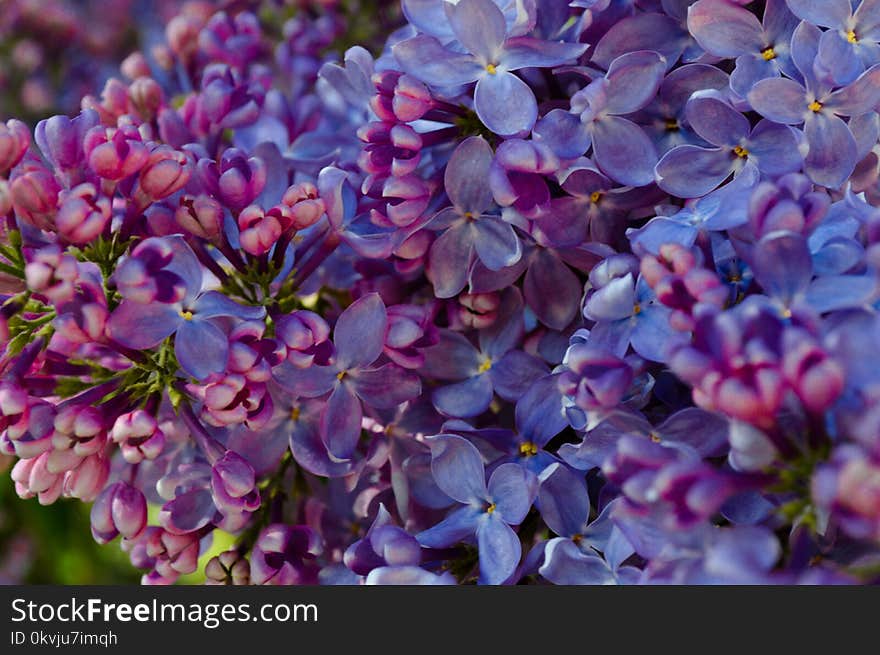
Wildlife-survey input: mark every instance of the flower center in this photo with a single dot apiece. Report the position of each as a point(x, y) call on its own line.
point(491, 69)
point(740, 152)
point(655, 437)
point(341, 375)
point(851, 37)
point(485, 366)
point(595, 197)
point(768, 54)
point(672, 125)
point(186, 315)
point(577, 538)
point(528, 449)
point(294, 413)
point(637, 309)
point(490, 509)
point(815, 106)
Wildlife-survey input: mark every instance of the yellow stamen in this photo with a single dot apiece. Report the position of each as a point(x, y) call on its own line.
point(490, 68)
point(815, 106)
point(577, 538)
point(490, 508)
point(655, 437)
point(340, 375)
point(672, 125)
point(185, 315)
point(294, 413)
point(768, 54)
point(637, 309)
point(786, 313)
point(595, 197)
point(485, 366)
point(851, 37)
point(740, 152)
point(528, 449)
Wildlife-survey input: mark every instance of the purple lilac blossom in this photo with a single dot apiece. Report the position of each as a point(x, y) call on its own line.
point(540, 292)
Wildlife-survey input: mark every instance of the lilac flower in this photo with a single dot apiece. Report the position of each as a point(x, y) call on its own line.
point(573, 557)
point(477, 374)
point(762, 51)
point(664, 118)
point(627, 313)
point(469, 233)
point(489, 510)
point(352, 377)
point(703, 431)
point(539, 416)
point(620, 148)
point(691, 171)
point(504, 103)
point(200, 345)
point(851, 44)
point(832, 148)
point(722, 209)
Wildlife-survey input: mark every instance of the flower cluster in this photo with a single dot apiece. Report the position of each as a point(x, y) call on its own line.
point(535, 291)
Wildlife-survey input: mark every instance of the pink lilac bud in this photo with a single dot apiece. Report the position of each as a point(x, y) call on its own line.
point(595, 378)
point(233, 486)
point(305, 205)
point(409, 331)
point(284, 555)
point(144, 278)
point(232, 400)
point(166, 172)
point(119, 509)
point(113, 153)
point(202, 217)
point(816, 378)
point(235, 181)
point(53, 273)
point(391, 149)
point(174, 554)
point(82, 214)
point(182, 34)
point(138, 435)
point(407, 199)
point(251, 355)
point(32, 478)
point(15, 138)
point(80, 429)
point(790, 204)
point(35, 197)
point(227, 100)
point(113, 103)
point(229, 567)
point(517, 176)
point(135, 66)
point(400, 97)
point(260, 230)
point(478, 310)
point(733, 366)
point(29, 428)
point(146, 97)
point(86, 480)
point(682, 284)
point(306, 336)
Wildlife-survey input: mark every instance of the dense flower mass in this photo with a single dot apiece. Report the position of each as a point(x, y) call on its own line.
point(474, 291)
